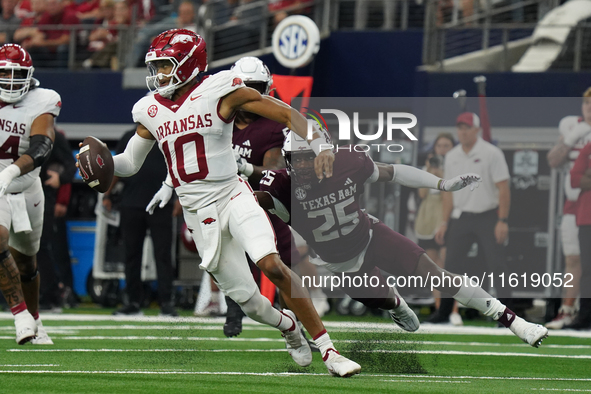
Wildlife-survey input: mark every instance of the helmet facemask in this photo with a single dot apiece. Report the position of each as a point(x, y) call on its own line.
point(300, 166)
point(15, 81)
point(175, 82)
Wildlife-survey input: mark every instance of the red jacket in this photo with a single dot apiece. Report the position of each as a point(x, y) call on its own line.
point(582, 163)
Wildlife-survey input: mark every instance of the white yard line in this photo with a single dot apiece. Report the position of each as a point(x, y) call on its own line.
point(438, 352)
point(332, 326)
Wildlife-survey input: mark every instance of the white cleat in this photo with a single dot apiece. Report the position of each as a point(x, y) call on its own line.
point(295, 342)
point(530, 333)
point(340, 366)
point(26, 328)
point(42, 337)
point(404, 316)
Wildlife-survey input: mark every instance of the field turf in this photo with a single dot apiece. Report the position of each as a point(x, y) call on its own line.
point(104, 354)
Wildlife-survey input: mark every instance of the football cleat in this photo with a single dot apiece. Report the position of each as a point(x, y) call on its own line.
point(530, 333)
point(233, 324)
point(26, 328)
point(404, 316)
point(456, 319)
point(338, 365)
point(295, 342)
point(42, 337)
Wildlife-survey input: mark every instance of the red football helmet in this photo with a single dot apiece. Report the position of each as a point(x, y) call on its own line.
point(16, 72)
point(187, 53)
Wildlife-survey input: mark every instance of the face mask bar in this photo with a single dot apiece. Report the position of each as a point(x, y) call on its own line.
point(15, 82)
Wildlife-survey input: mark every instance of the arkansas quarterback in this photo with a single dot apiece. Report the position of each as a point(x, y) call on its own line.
point(191, 119)
point(350, 242)
point(27, 114)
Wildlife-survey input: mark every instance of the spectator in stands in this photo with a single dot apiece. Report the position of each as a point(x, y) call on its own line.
point(9, 22)
point(51, 47)
point(105, 39)
point(430, 213)
point(28, 29)
point(89, 11)
point(144, 11)
point(581, 178)
point(135, 222)
point(483, 213)
point(284, 8)
point(58, 170)
point(185, 19)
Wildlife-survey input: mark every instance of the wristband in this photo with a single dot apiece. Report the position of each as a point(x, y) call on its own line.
point(504, 220)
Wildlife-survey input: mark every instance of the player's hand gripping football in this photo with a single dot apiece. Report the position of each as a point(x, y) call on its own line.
point(161, 198)
point(459, 182)
point(323, 164)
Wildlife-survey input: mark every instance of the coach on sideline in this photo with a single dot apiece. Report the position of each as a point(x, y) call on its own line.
point(480, 214)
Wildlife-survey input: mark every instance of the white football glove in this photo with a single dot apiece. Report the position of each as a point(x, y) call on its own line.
point(244, 167)
point(460, 182)
point(162, 196)
point(6, 177)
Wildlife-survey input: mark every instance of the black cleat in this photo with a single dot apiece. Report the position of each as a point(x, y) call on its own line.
point(233, 324)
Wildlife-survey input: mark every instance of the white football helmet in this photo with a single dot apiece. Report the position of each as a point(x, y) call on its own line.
point(254, 73)
point(296, 148)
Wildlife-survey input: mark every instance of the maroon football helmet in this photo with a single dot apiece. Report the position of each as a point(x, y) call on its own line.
point(187, 53)
point(16, 72)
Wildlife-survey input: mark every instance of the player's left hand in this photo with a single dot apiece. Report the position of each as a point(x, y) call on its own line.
point(161, 198)
point(6, 177)
point(461, 181)
point(244, 167)
point(323, 164)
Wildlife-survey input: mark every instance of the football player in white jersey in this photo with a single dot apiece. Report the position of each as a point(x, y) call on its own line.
point(27, 115)
point(570, 127)
point(191, 119)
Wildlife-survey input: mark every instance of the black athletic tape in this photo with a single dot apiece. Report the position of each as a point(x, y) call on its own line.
point(29, 278)
point(40, 147)
point(4, 255)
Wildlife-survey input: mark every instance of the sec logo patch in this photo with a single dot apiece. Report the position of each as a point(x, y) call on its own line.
point(152, 110)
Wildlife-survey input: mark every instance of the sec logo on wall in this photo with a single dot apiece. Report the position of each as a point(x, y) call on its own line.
point(296, 40)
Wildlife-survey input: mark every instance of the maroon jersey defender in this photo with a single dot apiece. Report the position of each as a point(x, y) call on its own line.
point(327, 214)
point(329, 217)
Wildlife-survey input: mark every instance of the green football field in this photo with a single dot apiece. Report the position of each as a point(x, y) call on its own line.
point(104, 354)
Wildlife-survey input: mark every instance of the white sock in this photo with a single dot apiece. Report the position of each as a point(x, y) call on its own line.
point(324, 343)
point(259, 309)
point(475, 297)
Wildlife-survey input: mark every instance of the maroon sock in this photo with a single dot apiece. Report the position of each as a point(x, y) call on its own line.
point(36, 315)
point(321, 333)
point(19, 308)
point(507, 317)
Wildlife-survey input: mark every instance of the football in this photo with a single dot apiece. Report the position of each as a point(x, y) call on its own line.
point(95, 163)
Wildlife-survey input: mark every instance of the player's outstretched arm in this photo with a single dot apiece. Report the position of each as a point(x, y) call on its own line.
point(40, 146)
point(250, 100)
point(413, 177)
point(272, 205)
point(130, 161)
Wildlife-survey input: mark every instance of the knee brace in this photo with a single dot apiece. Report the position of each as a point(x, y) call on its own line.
point(30, 277)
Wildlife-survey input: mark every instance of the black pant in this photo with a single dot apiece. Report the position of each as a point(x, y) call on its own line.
point(585, 245)
point(134, 224)
point(460, 236)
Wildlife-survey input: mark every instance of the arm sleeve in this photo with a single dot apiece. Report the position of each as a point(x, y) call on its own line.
point(130, 161)
point(413, 177)
point(581, 165)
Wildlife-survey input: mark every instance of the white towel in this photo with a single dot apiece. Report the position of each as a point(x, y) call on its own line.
point(20, 216)
point(212, 235)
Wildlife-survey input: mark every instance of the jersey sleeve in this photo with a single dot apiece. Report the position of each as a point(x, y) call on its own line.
point(49, 102)
point(139, 111)
point(359, 164)
point(278, 185)
point(276, 136)
point(223, 83)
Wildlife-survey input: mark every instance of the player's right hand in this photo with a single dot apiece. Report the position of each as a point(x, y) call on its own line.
point(161, 198)
point(323, 164)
